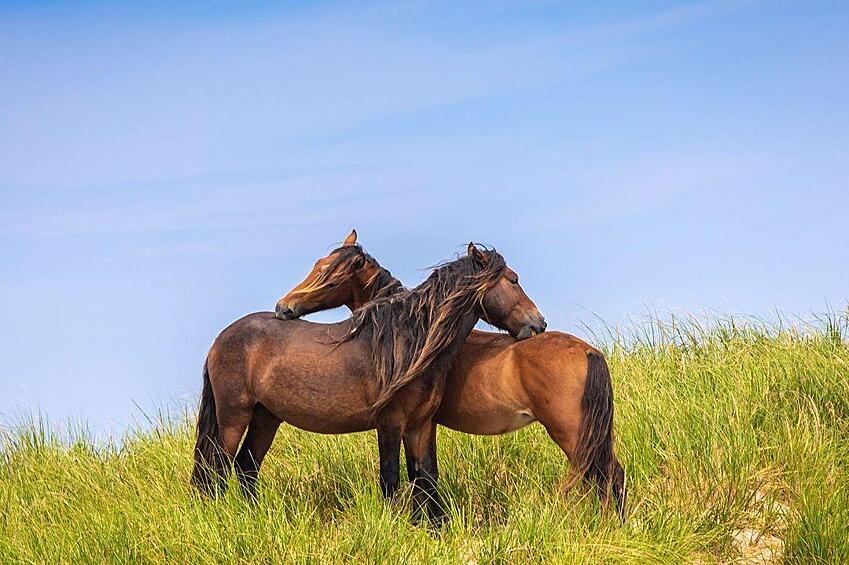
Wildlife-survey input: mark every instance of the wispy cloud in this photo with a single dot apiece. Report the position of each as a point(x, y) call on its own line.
point(232, 206)
point(121, 105)
point(641, 186)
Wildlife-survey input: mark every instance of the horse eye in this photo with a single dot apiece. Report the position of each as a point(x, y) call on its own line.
point(332, 284)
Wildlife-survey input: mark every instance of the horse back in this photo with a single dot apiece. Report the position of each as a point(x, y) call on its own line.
point(504, 371)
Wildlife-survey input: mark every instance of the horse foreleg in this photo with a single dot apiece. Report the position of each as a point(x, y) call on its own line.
point(389, 448)
point(258, 440)
point(421, 445)
point(411, 462)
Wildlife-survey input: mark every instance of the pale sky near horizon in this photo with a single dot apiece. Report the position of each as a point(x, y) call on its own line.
point(166, 170)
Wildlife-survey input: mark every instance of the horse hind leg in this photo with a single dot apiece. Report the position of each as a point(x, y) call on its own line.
point(232, 421)
point(209, 475)
point(620, 492)
point(261, 431)
point(584, 431)
point(565, 435)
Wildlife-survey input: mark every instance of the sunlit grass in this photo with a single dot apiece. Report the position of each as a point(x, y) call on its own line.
point(724, 428)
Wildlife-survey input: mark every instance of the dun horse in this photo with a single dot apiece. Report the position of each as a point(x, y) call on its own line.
point(497, 384)
point(382, 368)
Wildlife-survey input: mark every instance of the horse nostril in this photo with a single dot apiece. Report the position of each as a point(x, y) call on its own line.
point(283, 312)
point(542, 325)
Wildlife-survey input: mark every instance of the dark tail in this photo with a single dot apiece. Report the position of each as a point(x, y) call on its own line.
point(206, 473)
point(596, 462)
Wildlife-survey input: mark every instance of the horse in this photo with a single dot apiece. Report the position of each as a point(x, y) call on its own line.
point(497, 384)
point(383, 368)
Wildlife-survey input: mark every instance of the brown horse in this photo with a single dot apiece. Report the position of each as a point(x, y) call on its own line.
point(382, 368)
point(496, 384)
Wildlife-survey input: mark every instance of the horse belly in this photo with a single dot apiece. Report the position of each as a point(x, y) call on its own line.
point(329, 403)
point(471, 410)
point(331, 423)
point(332, 415)
point(484, 418)
point(322, 410)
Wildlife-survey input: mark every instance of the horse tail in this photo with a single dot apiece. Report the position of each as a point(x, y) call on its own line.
point(594, 456)
point(207, 447)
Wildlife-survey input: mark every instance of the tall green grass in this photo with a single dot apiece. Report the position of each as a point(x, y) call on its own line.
point(729, 431)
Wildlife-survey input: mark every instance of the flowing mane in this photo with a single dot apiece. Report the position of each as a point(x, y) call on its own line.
point(411, 328)
point(382, 283)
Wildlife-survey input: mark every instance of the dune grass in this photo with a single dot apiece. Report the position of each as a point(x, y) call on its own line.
point(735, 438)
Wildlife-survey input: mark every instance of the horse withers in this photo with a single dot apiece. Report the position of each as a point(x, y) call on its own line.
point(384, 368)
point(496, 385)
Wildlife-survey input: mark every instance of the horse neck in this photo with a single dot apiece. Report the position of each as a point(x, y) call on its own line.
point(442, 363)
point(466, 327)
point(383, 282)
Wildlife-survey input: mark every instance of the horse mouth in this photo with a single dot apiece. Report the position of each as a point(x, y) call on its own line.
point(530, 330)
point(526, 332)
point(285, 313)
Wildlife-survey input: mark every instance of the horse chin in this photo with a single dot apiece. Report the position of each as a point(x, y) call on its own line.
point(525, 333)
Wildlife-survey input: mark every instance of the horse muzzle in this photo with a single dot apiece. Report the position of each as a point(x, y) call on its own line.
point(283, 312)
point(532, 329)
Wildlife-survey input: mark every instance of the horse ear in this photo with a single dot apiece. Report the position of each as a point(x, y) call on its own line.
point(476, 253)
point(359, 262)
point(351, 239)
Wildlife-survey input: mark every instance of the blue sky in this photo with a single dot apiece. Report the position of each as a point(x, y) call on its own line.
point(165, 170)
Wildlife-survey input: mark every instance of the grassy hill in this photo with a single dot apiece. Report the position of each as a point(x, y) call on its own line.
point(735, 440)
